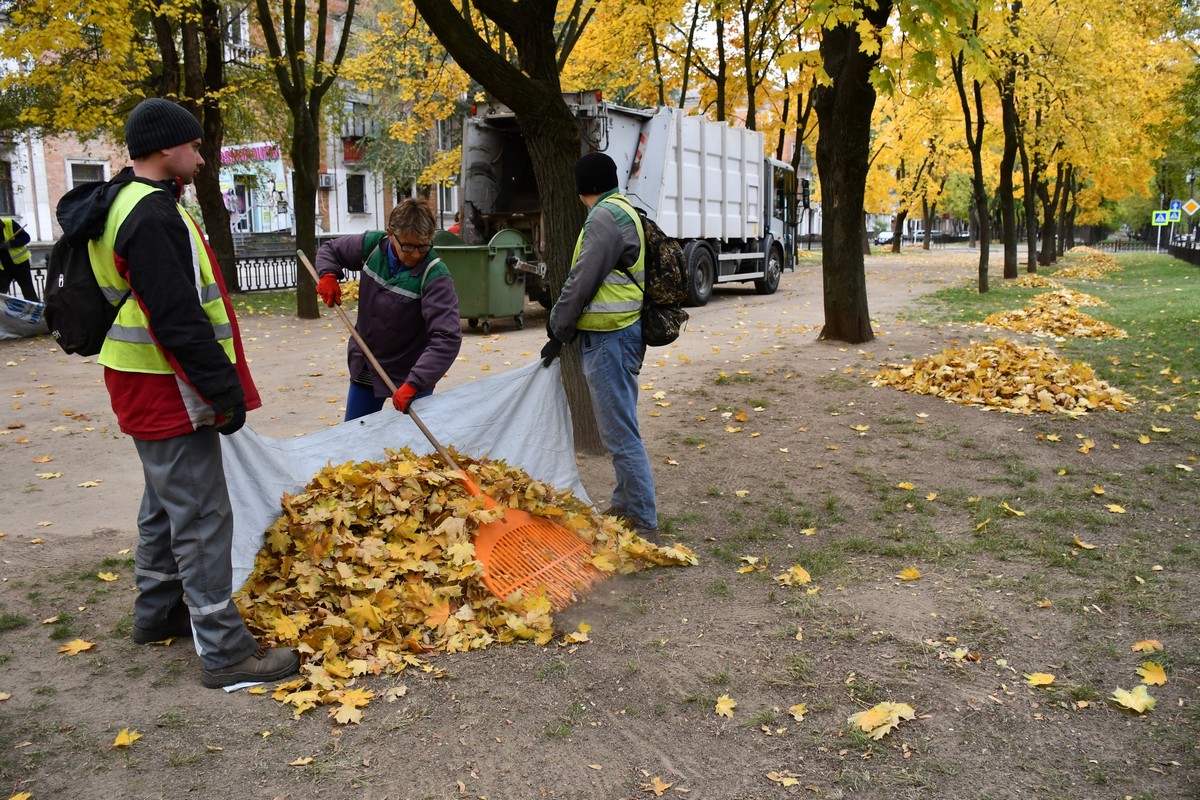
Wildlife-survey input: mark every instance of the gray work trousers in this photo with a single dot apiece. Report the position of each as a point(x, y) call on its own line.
point(185, 540)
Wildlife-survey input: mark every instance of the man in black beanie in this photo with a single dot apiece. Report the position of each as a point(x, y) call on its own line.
point(177, 378)
point(602, 306)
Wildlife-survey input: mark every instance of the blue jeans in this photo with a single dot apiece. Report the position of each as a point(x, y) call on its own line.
point(361, 400)
point(611, 363)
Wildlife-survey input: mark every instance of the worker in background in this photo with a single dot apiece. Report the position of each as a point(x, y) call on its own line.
point(14, 259)
point(602, 306)
point(407, 308)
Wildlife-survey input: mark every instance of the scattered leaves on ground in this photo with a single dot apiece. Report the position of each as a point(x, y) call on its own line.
point(882, 718)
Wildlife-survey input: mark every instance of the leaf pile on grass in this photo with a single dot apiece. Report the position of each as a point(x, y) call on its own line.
point(1006, 376)
point(373, 565)
point(1066, 298)
point(1033, 281)
point(350, 291)
point(1088, 264)
point(1040, 320)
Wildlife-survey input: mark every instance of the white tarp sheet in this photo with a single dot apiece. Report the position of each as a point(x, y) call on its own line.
point(20, 318)
point(521, 417)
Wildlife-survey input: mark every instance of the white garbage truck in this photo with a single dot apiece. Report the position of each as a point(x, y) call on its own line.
point(705, 183)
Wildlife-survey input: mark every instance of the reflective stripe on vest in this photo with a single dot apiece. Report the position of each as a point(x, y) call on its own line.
point(618, 301)
point(129, 347)
point(19, 255)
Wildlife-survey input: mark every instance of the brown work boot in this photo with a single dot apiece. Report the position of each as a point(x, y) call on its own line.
point(266, 664)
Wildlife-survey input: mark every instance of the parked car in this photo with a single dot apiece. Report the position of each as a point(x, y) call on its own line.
point(885, 237)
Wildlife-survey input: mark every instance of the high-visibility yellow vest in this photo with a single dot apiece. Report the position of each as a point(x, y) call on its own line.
point(20, 254)
point(129, 346)
point(618, 302)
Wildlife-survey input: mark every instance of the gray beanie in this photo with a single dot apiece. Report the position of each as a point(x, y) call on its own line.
point(595, 173)
point(157, 124)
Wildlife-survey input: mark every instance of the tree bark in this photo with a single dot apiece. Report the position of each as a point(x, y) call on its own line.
point(1008, 161)
point(973, 122)
point(844, 111)
point(551, 134)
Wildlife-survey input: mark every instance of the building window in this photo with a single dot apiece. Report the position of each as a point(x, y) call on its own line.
point(356, 194)
point(83, 172)
point(7, 207)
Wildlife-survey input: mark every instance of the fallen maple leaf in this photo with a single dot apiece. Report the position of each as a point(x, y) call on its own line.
point(882, 718)
point(783, 779)
point(909, 574)
point(1039, 678)
point(905, 485)
point(1115, 508)
point(798, 711)
point(796, 576)
point(1098, 489)
point(126, 737)
point(1146, 646)
point(1012, 510)
point(76, 646)
point(657, 786)
point(1084, 545)
point(108, 577)
point(1152, 673)
point(725, 706)
point(301, 762)
point(1138, 700)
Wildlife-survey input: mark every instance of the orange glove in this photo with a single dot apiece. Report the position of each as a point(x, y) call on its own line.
point(329, 290)
point(404, 396)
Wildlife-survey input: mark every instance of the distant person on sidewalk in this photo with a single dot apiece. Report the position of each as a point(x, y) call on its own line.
point(407, 308)
point(177, 378)
point(14, 259)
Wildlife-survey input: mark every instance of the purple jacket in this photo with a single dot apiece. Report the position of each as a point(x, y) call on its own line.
point(413, 330)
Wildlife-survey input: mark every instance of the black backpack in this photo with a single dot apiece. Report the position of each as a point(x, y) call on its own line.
point(77, 312)
point(666, 288)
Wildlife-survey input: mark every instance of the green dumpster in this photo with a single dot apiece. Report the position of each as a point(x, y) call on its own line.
point(486, 279)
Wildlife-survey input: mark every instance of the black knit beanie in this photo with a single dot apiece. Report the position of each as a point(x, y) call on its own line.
point(157, 124)
point(595, 173)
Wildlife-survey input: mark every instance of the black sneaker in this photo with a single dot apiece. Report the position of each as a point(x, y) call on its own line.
point(177, 626)
point(266, 664)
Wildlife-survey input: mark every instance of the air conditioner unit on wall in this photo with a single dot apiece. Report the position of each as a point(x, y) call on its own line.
point(325, 180)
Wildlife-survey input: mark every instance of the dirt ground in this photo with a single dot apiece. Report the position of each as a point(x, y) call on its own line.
point(810, 478)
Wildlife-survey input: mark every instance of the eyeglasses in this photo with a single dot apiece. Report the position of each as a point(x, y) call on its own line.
point(414, 248)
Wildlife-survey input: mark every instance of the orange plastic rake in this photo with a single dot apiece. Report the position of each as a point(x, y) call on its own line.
point(519, 551)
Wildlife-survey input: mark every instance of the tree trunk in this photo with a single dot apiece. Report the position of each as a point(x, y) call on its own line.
point(844, 109)
point(1008, 161)
point(1064, 198)
point(1049, 204)
point(208, 184)
point(1029, 182)
point(973, 121)
point(306, 164)
point(897, 228)
point(551, 135)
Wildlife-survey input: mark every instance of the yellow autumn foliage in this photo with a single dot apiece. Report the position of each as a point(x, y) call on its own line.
point(1054, 320)
point(1034, 281)
point(372, 566)
point(1006, 376)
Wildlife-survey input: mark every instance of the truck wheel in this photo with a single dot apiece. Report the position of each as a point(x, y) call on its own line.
point(701, 273)
point(768, 283)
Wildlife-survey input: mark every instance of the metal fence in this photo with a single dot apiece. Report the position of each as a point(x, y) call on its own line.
point(258, 274)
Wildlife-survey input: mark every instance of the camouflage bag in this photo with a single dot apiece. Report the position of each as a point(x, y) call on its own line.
point(665, 289)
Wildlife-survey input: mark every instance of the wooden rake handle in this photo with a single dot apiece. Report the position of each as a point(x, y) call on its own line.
point(386, 379)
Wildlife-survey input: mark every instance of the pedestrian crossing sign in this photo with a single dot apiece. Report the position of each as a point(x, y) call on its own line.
point(1160, 217)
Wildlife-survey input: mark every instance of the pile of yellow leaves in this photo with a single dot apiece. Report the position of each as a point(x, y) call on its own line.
point(1034, 281)
point(373, 565)
point(1066, 298)
point(1054, 321)
point(1006, 376)
point(1087, 264)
